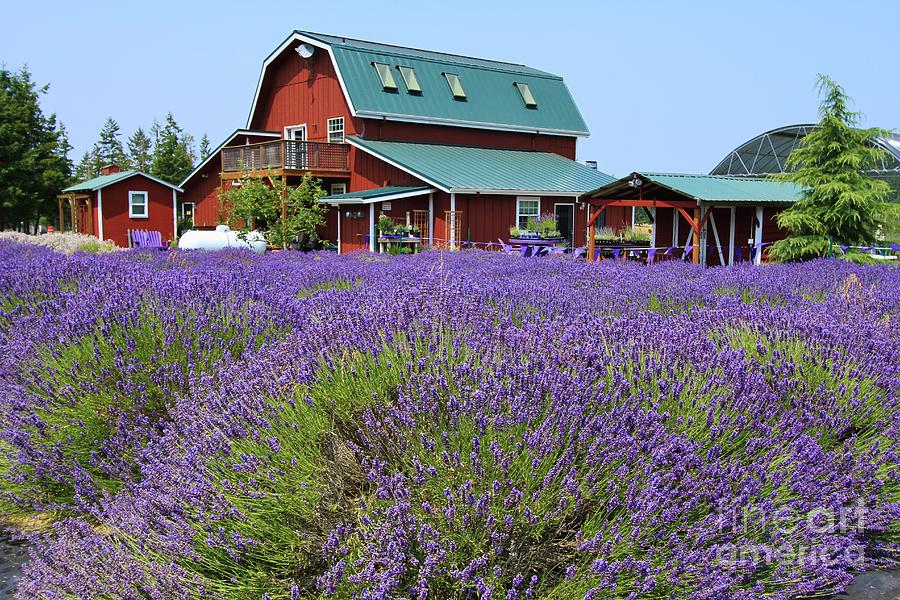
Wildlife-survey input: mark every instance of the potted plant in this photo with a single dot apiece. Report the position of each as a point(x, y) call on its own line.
point(387, 228)
point(543, 230)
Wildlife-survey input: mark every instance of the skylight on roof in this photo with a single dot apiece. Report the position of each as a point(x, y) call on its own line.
point(410, 79)
point(385, 75)
point(455, 86)
point(527, 96)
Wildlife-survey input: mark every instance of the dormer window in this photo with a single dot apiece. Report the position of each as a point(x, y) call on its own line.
point(410, 79)
point(527, 96)
point(456, 87)
point(386, 77)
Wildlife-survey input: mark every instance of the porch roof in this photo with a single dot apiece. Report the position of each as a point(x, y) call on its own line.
point(468, 170)
point(710, 189)
point(382, 194)
point(104, 180)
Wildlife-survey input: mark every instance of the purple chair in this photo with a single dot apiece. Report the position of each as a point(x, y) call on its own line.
point(579, 253)
point(526, 251)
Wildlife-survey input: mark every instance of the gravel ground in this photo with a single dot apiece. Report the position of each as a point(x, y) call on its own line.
point(12, 555)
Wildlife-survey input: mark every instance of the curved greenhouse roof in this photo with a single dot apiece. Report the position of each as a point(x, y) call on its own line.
point(767, 153)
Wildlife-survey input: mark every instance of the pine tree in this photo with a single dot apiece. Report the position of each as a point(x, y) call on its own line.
point(109, 150)
point(173, 157)
point(840, 204)
point(34, 162)
point(88, 167)
point(204, 148)
point(140, 150)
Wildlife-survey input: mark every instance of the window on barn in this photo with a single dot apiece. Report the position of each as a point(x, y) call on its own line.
point(410, 79)
point(527, 96)
point(385, 75)
point(455, 86)
point(137, 205)
point(336, 130)
point(338, 188)
point(527, 207)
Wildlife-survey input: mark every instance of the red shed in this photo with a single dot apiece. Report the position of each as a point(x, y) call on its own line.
point(111, 205)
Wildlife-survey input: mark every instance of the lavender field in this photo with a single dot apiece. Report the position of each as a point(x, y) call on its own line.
point(446, 425)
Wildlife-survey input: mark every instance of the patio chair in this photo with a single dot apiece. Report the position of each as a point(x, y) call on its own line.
point(579, 253)
point(526, 251)
point(542, 251)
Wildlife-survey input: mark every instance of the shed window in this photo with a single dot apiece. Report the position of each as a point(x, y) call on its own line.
point(336, 130)
point(410, 79)
point(527, 96)
point(338, 188)
point(527, 207)
point(137, 205)
point(385, 75)
point(455, 86)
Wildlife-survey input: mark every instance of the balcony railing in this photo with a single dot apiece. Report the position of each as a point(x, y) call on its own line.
point(288, 154)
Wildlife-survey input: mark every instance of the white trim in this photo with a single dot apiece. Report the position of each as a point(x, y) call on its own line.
point(339, 217)
point(757, 237)
point(174, 214)
point(405, 118)
point(519, 200)
point(294, 37)
point(100, 214)
point(715, 228)
point(372, 241)
point(731, 235)
point(146, 214)
point(453, 225)
point(375, 199)
point(218, 149)
point(298, 127)
point(675, 217)
point(328, 129)
point(193, 208)
point(340, 183)
point(431, 219)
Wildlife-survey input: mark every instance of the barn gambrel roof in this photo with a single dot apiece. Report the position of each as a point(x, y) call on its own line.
point(493, 96)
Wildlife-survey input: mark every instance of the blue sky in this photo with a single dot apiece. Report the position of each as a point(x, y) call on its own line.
point(668, 86)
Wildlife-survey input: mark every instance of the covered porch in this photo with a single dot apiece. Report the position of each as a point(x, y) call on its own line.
point(77, 206)
point(710, 220)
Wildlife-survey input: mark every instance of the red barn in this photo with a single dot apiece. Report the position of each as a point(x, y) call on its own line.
point(111, 205)
point(463, 148)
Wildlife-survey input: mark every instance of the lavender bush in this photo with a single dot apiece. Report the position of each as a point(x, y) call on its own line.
point(447, 425)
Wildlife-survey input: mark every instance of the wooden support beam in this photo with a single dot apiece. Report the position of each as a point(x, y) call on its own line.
point(62, 214)
point(284, 212)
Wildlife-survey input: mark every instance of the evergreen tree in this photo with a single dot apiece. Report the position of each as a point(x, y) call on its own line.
point(34, 162)
point(840, 204)
point(140, 150)
point(88, 167)
point(173, 157)
point(204, 148)
point(109, 150)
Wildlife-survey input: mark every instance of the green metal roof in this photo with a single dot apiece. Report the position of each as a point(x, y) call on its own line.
point(714, 188)
point(104, 180)
point(376, 195)
point(492, 100)
point(463, 169)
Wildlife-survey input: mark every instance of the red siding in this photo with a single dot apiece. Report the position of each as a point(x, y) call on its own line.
point(298, 91)
point(116, 221)
point(463, 136)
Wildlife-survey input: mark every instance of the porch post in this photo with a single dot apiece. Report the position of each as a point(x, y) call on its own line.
point(757, 241)
point(62, 215)
point(100, 214)
point(339, 228)
point(431, 219)
point(731, 236)
point(695, 251)
point(592, 229)
point(653, 227)
point(452, 221)
point(283, 210)
point(372, 227)
point(174, 215)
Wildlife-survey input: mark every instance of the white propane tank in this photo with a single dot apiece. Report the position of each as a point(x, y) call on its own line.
point(222, 237)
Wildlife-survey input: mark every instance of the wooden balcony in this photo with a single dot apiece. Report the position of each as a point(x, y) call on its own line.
point(285, 157)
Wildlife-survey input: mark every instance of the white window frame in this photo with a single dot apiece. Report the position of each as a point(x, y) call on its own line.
point(290, 128)
point(131, 195)
point(184, 212)
point(520, 214)
point(338, 186)
point(335, 121)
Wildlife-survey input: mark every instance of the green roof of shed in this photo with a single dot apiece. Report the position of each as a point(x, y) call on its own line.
point(714, 189)
point(463, 169)
point(104, 180)
point(492, 100)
